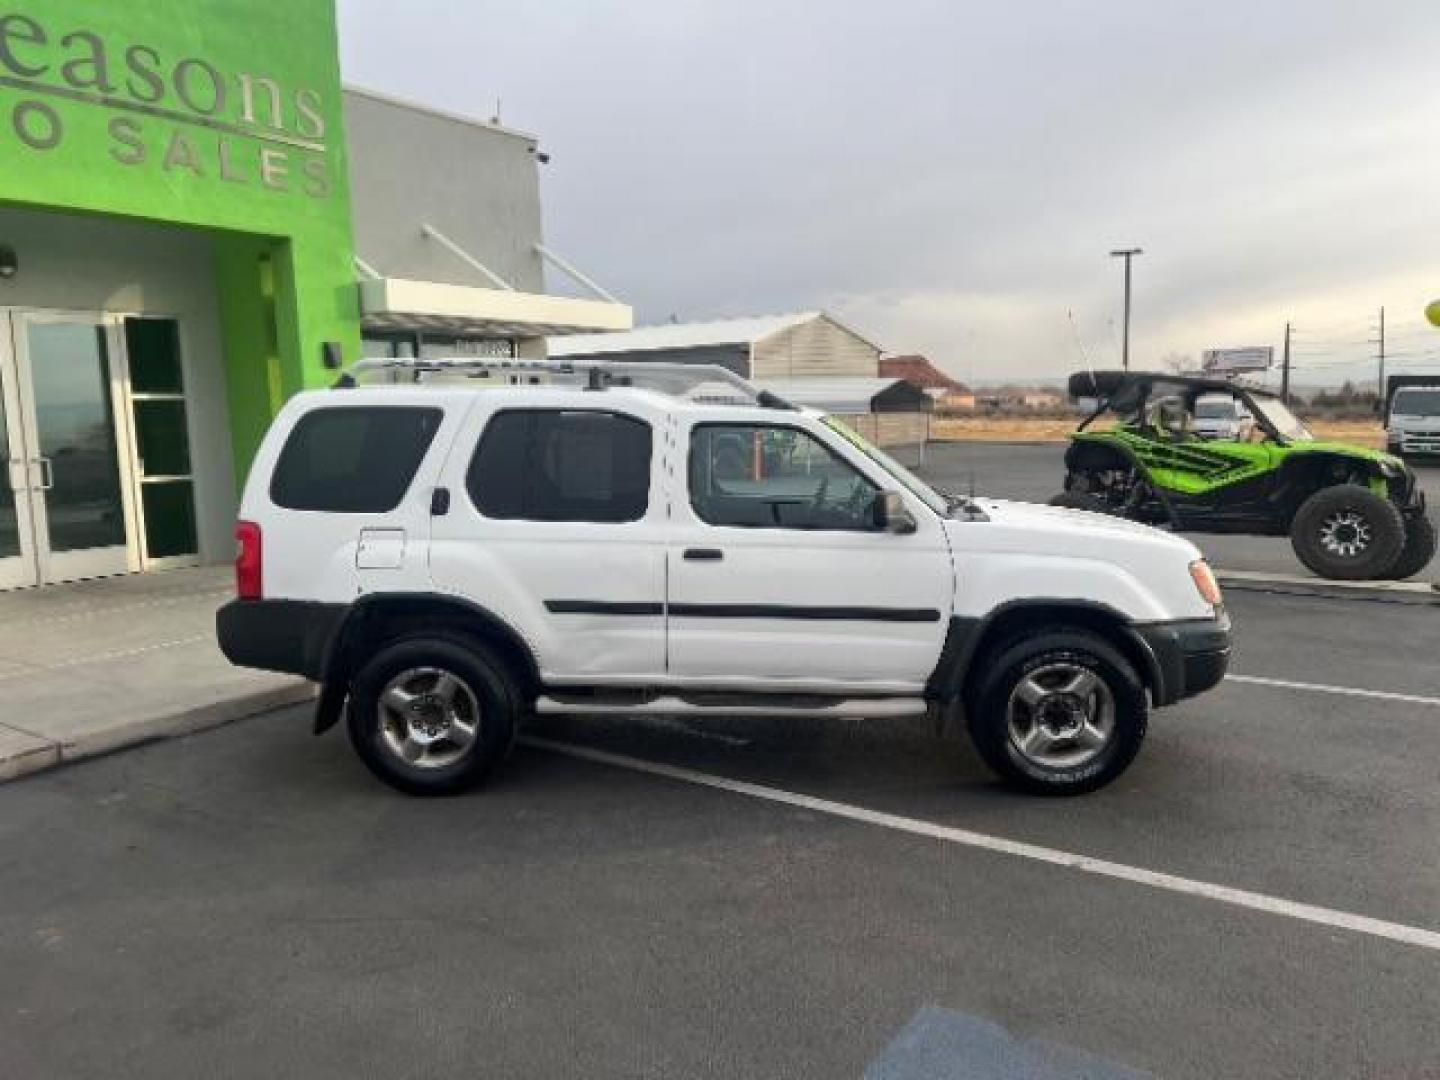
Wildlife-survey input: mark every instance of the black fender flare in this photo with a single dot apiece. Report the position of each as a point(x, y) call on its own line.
point(966, 636)
point(343, 650)
point(1292, 488)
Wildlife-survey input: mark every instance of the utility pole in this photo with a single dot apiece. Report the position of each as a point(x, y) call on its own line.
point(1285, 369)
point(1127, 254)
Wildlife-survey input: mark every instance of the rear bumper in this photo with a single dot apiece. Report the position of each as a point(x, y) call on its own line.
point(289, 636)
point(1191, 655)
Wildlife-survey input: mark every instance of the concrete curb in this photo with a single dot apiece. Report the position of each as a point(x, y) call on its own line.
point(1423, 592)
point(188, 721)
point(32, 759)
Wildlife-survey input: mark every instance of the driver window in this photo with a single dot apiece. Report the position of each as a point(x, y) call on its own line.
point(763, 477)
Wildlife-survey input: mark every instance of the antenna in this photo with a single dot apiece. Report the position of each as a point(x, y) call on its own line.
point(1079, 344)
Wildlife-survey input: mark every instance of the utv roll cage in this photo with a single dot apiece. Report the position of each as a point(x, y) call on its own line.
point(1127, 393)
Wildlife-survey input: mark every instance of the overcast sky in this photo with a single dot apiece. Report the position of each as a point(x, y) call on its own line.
point(949, 176)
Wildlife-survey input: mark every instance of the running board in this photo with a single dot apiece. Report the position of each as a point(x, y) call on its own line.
point(807, 706)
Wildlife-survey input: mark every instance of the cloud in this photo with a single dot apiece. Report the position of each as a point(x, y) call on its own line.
point(952, 175)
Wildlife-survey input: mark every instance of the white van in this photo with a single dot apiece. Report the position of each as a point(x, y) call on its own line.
point(1413, 424)
point(1219, 416)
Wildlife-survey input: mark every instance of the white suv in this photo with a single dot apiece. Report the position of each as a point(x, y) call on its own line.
point(449, 554)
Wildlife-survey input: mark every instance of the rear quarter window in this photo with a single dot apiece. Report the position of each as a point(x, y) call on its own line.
point(562, 465)
point(353, 460)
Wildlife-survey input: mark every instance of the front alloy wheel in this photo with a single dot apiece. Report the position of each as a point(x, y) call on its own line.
point(1061, 715)
point(1058, 711)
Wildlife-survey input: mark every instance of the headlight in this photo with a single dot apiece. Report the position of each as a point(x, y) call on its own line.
point(1205, 582)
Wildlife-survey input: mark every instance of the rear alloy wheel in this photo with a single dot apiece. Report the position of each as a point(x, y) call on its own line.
point(432, 716)
point(1348, 533)
point(1059, 712)
point(1419, 549)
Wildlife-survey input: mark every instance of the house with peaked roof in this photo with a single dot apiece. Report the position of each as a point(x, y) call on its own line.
point(919, 371)
point(800, 345)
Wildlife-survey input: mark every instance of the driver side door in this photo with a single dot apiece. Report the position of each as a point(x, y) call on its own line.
point(778, 576)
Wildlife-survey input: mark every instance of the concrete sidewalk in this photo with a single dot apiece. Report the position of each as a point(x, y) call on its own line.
point(89, 667)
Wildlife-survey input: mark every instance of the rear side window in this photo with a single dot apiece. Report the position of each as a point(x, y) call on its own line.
point(562, 465)
point(352, 460)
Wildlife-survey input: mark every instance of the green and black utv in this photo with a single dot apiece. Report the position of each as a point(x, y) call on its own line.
point(1350, 513)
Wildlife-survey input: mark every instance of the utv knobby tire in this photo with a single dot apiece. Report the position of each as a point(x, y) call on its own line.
point(1380, 515)
point(988, 719)
point(1080, 500)
point(483, 674)
point(1419, 549)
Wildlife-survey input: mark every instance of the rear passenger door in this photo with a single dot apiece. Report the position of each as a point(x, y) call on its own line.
point(555, 525)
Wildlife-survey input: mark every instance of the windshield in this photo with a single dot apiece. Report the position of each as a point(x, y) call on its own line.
point(1214, 410)
point(1282, 419)
point(912, 483)
point(1416, 403)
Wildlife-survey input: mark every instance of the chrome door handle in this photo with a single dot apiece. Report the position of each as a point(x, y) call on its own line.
point(47, 473)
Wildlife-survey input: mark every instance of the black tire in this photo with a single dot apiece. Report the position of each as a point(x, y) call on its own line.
point(1419, 549)
point(1079, 500)
point(1048, 655)
point(1348, 533)
point(487, 698)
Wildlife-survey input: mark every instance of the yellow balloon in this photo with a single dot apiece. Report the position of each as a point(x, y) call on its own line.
point(1433, 313)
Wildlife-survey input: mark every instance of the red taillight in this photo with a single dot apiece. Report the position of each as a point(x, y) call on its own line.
point(249, 561)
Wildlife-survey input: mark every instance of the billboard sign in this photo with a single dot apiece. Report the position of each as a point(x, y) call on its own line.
point(1233, 361)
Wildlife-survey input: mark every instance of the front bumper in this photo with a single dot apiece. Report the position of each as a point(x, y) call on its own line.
point(1415, 442)
point(1190, 655)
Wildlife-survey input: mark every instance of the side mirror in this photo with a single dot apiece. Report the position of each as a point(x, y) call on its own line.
point(890, 515)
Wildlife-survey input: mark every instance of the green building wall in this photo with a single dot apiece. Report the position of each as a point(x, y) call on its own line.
point(222, 115)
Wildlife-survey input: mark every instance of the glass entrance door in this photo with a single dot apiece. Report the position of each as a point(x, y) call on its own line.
point(17, 555)
point(68, 372)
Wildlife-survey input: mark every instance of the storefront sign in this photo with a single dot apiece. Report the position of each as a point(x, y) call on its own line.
point(176, 114)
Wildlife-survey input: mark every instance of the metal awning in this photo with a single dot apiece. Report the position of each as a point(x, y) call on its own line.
point(429, 306)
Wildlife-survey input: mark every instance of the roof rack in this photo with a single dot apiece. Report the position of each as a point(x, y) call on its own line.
point(706, 383)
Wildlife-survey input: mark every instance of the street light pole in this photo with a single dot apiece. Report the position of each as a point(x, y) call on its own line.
point(1127, 254)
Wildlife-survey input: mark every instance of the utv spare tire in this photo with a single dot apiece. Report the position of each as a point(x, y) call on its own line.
point(1348, 533)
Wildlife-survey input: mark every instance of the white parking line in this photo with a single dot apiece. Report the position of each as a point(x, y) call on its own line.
point(1323, 688)
point(1272, 905)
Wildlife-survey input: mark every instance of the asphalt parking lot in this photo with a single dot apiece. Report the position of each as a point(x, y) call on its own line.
point(249, 900)
point(1035, 472)
point(1259, 896)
